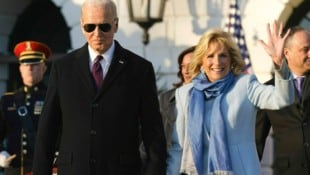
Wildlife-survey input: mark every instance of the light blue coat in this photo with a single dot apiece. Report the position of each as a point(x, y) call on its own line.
point(239, 107)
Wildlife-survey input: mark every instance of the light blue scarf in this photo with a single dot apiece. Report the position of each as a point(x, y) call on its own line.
point(219, 159)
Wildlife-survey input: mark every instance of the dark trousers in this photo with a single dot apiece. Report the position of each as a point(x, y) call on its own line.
point(15, 171)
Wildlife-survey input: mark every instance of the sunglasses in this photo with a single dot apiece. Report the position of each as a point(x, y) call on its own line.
point(106, 27)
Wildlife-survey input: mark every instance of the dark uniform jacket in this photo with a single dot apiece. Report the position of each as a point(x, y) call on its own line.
point(168, 112)
point(19, 118)
point(291, 134)
point(100, 130)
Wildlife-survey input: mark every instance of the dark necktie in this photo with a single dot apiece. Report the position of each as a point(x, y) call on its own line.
point(299, 81)
point(97, 71)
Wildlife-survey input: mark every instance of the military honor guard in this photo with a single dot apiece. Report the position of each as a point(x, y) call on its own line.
point(20, 110)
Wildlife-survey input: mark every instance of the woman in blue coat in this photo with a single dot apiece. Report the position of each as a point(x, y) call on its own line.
point(214, 130)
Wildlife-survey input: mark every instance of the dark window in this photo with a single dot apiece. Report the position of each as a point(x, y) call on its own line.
point(300, 16)
point(40, 21)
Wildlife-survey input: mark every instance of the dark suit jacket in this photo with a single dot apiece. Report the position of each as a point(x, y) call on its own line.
point(168, 112)
point(100, 131)
point(291, 133)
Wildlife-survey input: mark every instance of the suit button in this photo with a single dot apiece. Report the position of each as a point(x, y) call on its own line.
point(92, 161)
point(95, 105)
point(93, 132)
point(306, 144)
point(28, 96)
point(304, 165)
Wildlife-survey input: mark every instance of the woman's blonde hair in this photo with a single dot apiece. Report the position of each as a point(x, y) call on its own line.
point(223, 38)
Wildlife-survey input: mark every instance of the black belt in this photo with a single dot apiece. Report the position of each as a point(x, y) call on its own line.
point(183, 174)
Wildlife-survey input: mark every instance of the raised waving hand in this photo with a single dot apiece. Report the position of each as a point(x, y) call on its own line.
point(275, 44)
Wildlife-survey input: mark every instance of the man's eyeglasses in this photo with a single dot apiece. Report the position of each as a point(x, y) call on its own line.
point(106, 27)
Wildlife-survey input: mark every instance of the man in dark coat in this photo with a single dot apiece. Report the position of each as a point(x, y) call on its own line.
point(100, 116)
point(20, 110)
point(291, 125)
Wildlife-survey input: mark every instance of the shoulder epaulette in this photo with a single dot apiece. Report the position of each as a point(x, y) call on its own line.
point(8, 93)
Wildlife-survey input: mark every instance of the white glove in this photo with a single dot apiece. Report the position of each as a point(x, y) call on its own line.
point(5, 159)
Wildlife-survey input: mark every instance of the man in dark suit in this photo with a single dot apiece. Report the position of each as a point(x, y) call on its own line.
point(291, 125)
point(99, 119)
point(20, 110)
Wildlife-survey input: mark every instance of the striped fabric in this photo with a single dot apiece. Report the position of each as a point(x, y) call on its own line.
point(234, 27)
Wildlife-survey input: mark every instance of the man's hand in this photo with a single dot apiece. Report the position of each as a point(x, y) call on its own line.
point(6, 158)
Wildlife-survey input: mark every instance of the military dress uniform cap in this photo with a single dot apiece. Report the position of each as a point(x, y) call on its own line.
point(31, 52)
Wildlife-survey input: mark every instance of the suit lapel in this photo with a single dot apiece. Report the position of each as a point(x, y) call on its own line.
point(305, 96)
point(82, 62)
point(118, 63)
point(306, 87)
